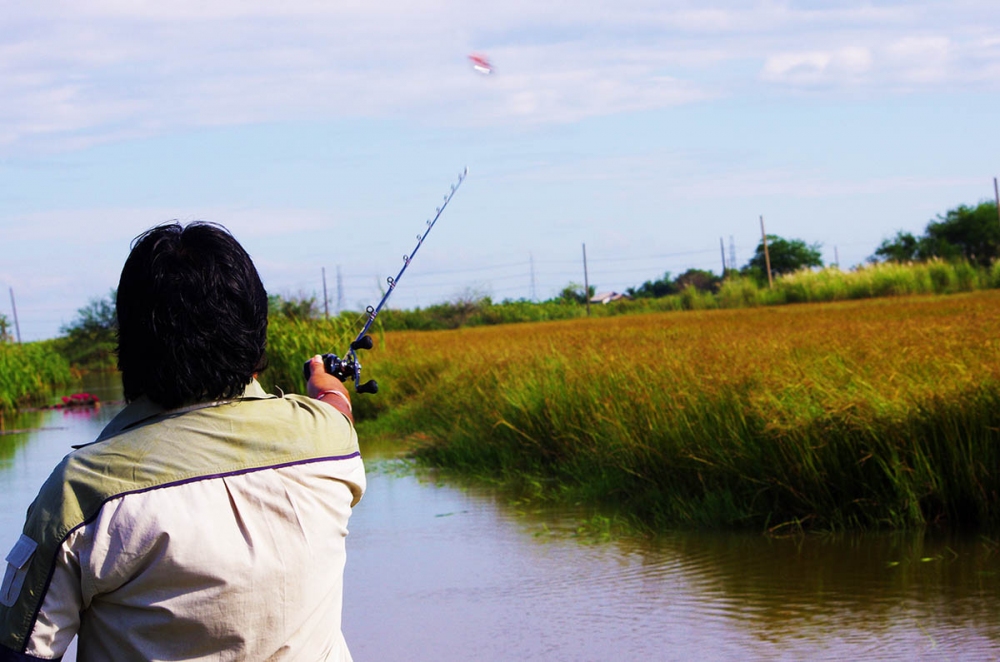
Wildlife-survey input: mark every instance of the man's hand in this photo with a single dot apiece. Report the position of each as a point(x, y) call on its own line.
point(327, 388)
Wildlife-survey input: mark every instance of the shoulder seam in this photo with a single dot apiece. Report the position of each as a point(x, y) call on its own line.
point(92, 516)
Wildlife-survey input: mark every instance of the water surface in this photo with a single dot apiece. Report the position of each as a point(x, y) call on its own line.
point(441, 572)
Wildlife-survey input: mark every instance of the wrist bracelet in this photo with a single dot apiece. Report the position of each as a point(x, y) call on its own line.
point(319, 396)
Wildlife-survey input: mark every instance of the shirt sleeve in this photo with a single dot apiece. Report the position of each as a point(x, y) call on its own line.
point(58, 619)
point(46, 634)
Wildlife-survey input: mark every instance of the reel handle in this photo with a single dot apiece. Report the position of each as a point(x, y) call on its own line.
point(371, 386)
point(364, 342)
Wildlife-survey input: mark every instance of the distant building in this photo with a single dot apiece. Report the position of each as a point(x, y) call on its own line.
point(608, 297)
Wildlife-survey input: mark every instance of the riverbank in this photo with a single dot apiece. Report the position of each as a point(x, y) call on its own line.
point(859, 415)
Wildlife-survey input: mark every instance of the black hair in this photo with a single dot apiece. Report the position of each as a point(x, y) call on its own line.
point(192, 316)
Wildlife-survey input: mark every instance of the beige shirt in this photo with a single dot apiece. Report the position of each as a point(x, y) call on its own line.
point(211, 534)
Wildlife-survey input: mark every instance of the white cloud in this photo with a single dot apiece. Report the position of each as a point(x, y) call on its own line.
point(817, 66)
point(75, 73)
point(900, 64)
point(921, 59)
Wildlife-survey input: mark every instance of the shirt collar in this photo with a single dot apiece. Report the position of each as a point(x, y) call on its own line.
point(143, 409)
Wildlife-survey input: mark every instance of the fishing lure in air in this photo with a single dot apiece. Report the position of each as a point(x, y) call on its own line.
point(348, 367)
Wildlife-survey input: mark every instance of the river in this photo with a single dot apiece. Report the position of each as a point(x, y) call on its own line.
point(437, 571)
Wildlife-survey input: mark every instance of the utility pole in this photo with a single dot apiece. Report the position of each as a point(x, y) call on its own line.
point(13, 306)
point(340, 291)
point(836, 256)
point(722, 249)
point(767, 256)
point(586, 283)
point(732, 252)
point(996, 196)
point(326, 299)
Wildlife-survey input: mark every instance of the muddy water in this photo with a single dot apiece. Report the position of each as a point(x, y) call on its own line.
point(439, 572)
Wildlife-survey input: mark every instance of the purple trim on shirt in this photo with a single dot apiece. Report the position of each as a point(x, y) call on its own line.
point(225, 474)
point(195, 479)
point(7, 655)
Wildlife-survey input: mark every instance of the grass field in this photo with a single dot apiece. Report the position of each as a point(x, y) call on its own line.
point(882, 413)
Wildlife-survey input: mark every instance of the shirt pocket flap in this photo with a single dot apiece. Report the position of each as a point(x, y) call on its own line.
point(21, 553)
point(17, 569)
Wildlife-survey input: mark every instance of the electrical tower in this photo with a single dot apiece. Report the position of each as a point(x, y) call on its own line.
point(340, 291)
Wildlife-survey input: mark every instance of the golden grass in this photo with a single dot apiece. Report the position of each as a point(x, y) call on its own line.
point(855, 414)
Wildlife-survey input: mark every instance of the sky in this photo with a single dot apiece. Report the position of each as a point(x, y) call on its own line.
point(324, 134)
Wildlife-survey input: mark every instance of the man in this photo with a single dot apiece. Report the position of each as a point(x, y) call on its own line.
point(208, 520)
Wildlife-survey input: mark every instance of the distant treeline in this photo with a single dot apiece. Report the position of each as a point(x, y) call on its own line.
point(88, 343)
point(830, 284)
point(957, 252)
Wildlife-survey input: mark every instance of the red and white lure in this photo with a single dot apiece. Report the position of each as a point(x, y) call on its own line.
point(481, 64)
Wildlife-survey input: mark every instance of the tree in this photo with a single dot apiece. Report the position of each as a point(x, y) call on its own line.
point(970, 233)
point(786, 255)
point(701, 279)
point(464, 305)
point(904, 247)
point(966, 232)
point(573, 293)
point(654, 289)
point(298, 306)
point(4, 329)
point(90, 341)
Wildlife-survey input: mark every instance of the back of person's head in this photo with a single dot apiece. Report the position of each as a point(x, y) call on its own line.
point(192, 316)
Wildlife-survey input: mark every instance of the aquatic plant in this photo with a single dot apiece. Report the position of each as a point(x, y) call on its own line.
point(868, 414)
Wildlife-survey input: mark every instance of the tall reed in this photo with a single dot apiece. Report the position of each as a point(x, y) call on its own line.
point(291, 342)
point(880, 413)
point(28, 372)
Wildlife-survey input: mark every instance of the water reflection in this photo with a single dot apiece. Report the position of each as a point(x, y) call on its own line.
point(442, 573)
point(905, 593)
point(14, 432)
point(27, 458)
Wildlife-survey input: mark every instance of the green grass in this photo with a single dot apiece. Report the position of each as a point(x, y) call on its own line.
point(28, 372)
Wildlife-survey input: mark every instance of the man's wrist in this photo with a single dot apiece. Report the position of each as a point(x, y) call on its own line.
point(341, 394)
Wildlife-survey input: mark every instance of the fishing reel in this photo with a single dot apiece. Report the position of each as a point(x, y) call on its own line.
point(348, 367)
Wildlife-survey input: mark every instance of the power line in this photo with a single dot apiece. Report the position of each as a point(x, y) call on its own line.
point(531, 258)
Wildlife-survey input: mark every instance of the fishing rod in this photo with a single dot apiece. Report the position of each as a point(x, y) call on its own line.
point(348, 367)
